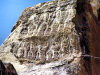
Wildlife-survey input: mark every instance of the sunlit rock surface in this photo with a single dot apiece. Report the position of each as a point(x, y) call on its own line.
point(52, 38)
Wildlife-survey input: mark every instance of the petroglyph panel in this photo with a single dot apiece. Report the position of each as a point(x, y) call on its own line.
point(45, 33)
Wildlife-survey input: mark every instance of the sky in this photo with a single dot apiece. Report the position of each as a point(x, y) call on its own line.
point(10, 10)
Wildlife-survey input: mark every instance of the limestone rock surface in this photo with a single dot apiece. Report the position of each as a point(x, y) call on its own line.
point(51, 38)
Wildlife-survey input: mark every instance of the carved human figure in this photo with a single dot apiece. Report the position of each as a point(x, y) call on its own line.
point(26, 49)
point(56, 55)
point(42, 53)
point(20, 52)
point(38, 52)
point(29, 56)
point(33, 50)
point(49, 55)
point(55, 49)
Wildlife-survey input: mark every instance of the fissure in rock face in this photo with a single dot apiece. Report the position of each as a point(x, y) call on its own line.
point(83, 30)
point(87, 25)
point(54, 38)
point(7, 69)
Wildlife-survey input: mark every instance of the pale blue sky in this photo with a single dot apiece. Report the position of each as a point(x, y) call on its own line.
point(10, 11)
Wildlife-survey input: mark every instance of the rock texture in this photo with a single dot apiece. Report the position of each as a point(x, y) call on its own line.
point(88, 24)
point(7, 69)
point(55, 38)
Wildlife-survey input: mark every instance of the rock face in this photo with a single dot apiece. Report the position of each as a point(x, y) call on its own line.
point(88, 24)
point(55, 38)
point(7, 69)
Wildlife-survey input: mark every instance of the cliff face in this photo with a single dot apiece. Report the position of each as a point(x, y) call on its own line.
point(7, 69)
point(88, 24)
point(59, 37)
point(94, 24)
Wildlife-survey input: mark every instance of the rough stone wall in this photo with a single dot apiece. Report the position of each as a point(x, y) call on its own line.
point(87, 25)
point(7, 69)
point(55, 38)
point(94, 24)
point(44, 34)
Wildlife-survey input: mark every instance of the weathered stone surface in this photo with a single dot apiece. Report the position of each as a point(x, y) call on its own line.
point(44, 34)
point(54, 38)
point(88, 25)
point(7, 69)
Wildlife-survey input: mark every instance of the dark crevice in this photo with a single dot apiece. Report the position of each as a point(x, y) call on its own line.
point(7, 69)
point(82, 27)
point(98, 11)
point(80, 9)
